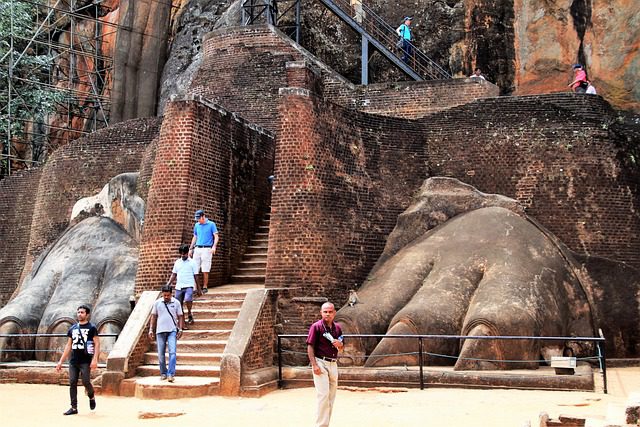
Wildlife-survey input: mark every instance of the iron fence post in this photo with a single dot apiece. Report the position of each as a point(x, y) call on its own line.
point(421, 361)
point(279, 363)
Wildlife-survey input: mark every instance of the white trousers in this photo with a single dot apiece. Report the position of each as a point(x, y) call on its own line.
point(326, 386)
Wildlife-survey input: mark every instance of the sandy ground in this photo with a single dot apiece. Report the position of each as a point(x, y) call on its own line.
point(42, 405)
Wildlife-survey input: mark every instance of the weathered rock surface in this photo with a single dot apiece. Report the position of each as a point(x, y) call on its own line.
point(93, 262)
point(525, 47)
point(194, 19)
point(486, 271)
point(119, 201)
point(140, 55)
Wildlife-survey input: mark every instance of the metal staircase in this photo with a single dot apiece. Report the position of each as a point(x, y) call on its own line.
point(382, 36)
point(372, 28)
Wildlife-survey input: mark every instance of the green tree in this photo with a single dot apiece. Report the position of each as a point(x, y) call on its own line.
point(25, 63)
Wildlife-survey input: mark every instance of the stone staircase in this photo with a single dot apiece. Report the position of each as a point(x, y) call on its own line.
point(201, 347)
point(253, 267)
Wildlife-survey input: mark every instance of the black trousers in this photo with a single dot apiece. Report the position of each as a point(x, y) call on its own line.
point(74, 373)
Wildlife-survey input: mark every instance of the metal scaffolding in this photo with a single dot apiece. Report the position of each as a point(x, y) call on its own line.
point(65, 59)
point(284, 14)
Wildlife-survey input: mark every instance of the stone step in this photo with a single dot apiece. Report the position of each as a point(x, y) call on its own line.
point(242, 270)
point(215, 313)
point(210, 359)
point(217, 303)
point(182, 388)
point(197, 346)
point(261, 235)
point(181, 370)
point(205, 334)
point(216, 293)
point(257, 247)
point(205, 323)
point(254, 263)
point(248, 278)
point(255, 257)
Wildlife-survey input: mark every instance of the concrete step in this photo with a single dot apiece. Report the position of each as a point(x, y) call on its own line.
point(205, 334)
point(248, 278)
point(183, 387)
point(215, 313)
point(197, 346)
point(181, 370)
point(230, 293)
point(217, 303)
point(209, 359)
point(261, 235)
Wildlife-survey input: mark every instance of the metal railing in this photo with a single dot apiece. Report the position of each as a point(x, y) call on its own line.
point(378, 29)
point(599, 342)
point(36, 335)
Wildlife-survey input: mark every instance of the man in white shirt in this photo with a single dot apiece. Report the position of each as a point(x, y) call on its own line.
point(184, 276)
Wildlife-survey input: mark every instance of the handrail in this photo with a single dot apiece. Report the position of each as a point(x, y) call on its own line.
point(50, 335)
point(599, 341)
point(377, 28)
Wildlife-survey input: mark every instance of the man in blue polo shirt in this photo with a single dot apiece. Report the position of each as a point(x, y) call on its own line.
point(203, 246)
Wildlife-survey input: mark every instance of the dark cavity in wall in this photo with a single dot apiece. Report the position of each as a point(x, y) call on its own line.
point(581, 14)
point(492, 36)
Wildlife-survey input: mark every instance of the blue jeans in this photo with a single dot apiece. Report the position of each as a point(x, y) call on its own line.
point(406, 50)
point(162, 339)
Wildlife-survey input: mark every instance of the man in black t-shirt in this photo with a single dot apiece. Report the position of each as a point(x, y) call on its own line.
point(84, 346)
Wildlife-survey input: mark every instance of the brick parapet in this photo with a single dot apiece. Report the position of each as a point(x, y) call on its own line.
point(244, 68)
point(207, 158)
point(262, 350)
point(556, 157)
point(17, 200)
point(337, 193)
point(410, 100)
point(81, 169)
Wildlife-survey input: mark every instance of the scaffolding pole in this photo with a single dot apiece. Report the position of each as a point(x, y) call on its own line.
point(71, 69)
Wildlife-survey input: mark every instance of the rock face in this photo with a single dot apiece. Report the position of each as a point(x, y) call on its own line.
point(525, 47)
point(194, 19)
point(140, 55)
point(604, 36)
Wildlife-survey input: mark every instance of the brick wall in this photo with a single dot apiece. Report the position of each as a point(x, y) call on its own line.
point(563, 163)
point(339, 190)
point(17, 195)
point(244, 67)
point(146, 169)
point(262, 348)
point(411, 100)
point(81, 169)
point(207, 158)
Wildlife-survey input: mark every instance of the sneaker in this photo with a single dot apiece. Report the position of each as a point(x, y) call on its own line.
point(163, 377)
point(190, 321)
point(71, 411)
point(205, 290)
point(92, 404)
point(170, 378)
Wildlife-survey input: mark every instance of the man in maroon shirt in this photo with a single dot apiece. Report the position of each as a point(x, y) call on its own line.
point(323, 344)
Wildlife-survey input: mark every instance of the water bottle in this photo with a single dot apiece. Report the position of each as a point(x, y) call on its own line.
point(90, 347)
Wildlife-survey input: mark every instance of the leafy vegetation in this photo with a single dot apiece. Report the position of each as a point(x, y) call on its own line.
point(24, 69)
